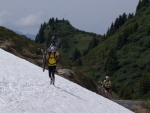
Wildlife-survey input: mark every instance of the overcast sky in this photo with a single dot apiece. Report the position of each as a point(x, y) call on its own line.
point(95, 16)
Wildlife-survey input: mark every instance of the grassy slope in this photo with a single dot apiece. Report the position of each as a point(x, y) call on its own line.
point(133, 58)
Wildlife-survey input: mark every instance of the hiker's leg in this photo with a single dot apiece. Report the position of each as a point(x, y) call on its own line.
point(105, 93)
point(50, 71)
point(53, 73)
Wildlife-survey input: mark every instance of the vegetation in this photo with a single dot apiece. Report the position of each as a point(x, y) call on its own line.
point(71, 39)
point(124, 56)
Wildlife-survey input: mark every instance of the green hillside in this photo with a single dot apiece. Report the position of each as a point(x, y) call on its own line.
point(125, 57)
point(123, 53)
point(70, 37)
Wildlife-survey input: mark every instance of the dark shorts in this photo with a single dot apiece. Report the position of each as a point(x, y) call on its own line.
point(51, 70)
point(107, 89)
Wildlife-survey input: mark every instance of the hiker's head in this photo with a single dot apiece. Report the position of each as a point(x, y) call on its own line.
point(53, 49)
point(107, 77)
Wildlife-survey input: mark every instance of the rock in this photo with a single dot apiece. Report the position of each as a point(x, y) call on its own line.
point(66, 72)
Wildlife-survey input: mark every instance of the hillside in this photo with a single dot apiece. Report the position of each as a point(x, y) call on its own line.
point(70, 37)
point(123, 53)
point(125, 57)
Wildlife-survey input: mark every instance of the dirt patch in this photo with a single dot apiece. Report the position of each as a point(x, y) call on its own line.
point(134, 106)
point(139, 109)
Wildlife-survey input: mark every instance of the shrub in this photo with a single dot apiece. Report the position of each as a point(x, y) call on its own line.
point(136, 75)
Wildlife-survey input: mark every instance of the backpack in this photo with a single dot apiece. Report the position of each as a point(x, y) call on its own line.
point(52, 59)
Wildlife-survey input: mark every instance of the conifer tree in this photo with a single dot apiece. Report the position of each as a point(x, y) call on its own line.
point(116, 24)
point(119, 42)
point(139, 5)
point(76, 54)
point(145, 2)
point(36, 38)
point(124, 17)
point(78, 62)
point(93, 43)
point(130, 15)
point(85, 52)
point(108, 34)
point(48, 40)
point(135, 27)
point(111, 62)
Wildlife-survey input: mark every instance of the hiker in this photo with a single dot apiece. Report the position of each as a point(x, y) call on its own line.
point(52, 58)
point(107, 85)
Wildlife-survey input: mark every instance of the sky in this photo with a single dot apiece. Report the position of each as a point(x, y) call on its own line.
point(25, 88)
point(94, 16)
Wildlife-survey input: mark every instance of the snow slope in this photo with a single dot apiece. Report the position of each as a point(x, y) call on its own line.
point(24, 88)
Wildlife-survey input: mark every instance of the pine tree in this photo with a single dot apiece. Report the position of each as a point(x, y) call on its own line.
point(36, 38)
point(76, 54)
point(130, 15)
point(48, 40)
point(124, 18)
point(145, 2)
point(108, 34)
point(119, 42)
point(111, 62)
point(85, 52)
point(116, 24)
point(125, 37)
point(93, 43)
point(139, 5)
point(78, 62)
point(41, 35)
point(135, 27)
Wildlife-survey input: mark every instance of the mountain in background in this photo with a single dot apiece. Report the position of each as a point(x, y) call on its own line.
point(123, 53)
point(72, 40)
point(32, 37)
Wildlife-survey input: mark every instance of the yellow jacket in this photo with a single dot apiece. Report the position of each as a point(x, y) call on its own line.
point(52, 58)
point(107, 84)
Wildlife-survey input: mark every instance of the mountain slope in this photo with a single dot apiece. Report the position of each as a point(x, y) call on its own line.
point(71, 38)
point(125, 57)
point(25, 88)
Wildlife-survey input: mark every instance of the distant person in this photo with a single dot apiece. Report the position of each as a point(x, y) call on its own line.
point(52, 58)
point(107, 86)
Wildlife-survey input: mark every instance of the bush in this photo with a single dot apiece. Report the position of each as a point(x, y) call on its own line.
point(136, 75)
point(142, 65)
point(134, 65)
point(121, 78)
